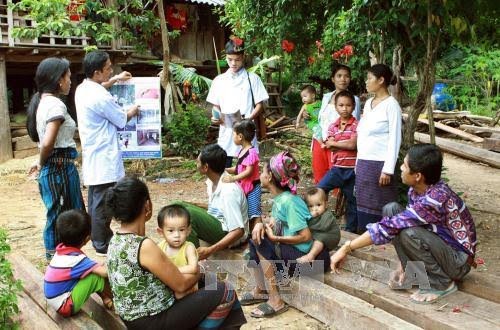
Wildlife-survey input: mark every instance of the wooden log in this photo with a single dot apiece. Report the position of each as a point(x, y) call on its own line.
point(321, 301)
point(477, 129)
point(33, 286)
point(463, 150)
point(23, 143)
point(452, 130)
point(25, 153)
point(482, 285)
point(19, 132)
point(5, 143)
point(492, 144)
point(31, 316)
point(276, 122)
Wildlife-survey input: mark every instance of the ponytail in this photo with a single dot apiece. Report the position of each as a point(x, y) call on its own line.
point(31, 120)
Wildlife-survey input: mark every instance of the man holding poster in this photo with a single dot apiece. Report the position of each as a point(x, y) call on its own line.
point(99, 117)
point(235, 94)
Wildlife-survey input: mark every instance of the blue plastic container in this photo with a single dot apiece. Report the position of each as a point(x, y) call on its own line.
point(441, 99)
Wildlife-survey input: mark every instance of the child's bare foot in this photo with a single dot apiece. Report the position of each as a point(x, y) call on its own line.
point(108, 303)
point(305, 259)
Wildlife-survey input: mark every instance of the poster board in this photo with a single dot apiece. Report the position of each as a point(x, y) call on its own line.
point(141, 136)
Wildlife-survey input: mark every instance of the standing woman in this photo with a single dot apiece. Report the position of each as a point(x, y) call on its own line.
point(50, 124)
point(321, 159)
point(379, 139)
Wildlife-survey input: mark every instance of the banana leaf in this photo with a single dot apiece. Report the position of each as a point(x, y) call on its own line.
point(259, 68)
point(179, 74)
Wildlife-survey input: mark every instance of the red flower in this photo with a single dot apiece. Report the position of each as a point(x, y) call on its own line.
point(311, 59)
point(348, 50)
point(336, 55)
point(287, 46)
point(237, 41)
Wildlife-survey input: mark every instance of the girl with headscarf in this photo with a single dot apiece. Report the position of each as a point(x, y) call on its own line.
point(283, 239)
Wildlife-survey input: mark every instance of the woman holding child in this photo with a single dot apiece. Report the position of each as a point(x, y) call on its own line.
point(50, 124)
point(379, 139)
point(286, 239)
point(145, 282)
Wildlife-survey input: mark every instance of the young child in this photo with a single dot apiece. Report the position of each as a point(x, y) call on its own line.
point(342, 141)
point(323, 225)
point(71, 276)
point(174, 224)
point(309, 112)
point(246, 171)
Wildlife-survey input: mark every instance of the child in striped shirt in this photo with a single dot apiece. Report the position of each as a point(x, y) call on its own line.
point(342, 139)
point(71, 276)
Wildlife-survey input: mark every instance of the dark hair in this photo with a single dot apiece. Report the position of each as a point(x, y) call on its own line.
point(245, 127)
point(94, 61)
point(337, 67)
point(173, 210)
point(426, 159)
point(382, 70)
point(308, 88)
point(48, 74)
point(125, 200)
point(215, 157)
point(311, 191)
point(73, 227)
point(345, 94)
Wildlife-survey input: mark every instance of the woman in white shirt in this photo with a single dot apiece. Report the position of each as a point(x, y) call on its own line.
point(379, 139)
point(52, 127)
point(321, 156)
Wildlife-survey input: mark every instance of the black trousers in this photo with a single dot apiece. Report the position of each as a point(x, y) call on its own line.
point(101, 232)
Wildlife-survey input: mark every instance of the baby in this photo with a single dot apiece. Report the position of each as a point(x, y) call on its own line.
point(174, 224)
point(323, 225)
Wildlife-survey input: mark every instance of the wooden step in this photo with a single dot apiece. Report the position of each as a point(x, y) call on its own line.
point(480, 284)
point(271, 84)
point(92, 315)
point(315, 298)
point(273, 94)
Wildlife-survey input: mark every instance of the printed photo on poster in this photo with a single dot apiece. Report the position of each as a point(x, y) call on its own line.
point(141, 136)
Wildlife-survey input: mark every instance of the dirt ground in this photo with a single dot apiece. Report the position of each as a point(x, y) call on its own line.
point(23, 215)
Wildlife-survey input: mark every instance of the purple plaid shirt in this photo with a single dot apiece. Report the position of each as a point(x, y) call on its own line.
point(439, 210)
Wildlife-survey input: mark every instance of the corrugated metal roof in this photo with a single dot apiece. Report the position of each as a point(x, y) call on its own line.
point(209, 2)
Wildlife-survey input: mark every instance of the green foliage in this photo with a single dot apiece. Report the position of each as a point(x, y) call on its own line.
point(187, 130)
point(138, 20)
point(9, 287)
point(477, 71)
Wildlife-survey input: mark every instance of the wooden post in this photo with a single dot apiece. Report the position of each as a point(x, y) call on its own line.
point(5, 139)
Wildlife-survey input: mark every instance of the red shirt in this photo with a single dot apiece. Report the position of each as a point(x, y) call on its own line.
point(343, 158)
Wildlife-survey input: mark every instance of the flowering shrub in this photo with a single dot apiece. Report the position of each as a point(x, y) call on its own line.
point(287, 46)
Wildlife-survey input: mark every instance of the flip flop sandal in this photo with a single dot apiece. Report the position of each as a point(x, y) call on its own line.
point(440, 293)
point(248, 298)
point(268, 311)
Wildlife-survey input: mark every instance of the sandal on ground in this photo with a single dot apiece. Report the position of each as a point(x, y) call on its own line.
point(268, 311)
point(248, 298)
point(439, 293)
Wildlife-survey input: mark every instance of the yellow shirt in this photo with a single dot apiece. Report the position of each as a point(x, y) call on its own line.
point(179, 259)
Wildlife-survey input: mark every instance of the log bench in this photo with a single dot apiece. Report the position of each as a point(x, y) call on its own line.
point(360, 297)
point(35, 313)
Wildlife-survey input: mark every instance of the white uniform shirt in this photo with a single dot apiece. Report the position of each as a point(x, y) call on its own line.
point(229, 205)
point(98, 119)
point(328, 115)
point(50, 109)
point(231, 92)
point(379, 133)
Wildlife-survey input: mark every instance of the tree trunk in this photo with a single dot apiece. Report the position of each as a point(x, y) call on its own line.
point(5, 138)
point(397, 89)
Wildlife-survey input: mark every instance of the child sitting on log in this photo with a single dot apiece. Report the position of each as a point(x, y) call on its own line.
point(71, 276)
point(435, 229)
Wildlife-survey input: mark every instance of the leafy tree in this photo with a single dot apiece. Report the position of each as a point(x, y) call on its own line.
point(418, 31)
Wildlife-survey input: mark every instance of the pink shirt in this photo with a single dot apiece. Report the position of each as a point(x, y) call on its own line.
point(250, 158)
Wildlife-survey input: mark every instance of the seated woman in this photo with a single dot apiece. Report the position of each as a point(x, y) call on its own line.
point(290, 230)
point(143, 280)
point(436, 228)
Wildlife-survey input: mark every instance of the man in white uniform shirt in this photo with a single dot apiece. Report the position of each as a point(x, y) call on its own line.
point(99, 117)
point(236, 90)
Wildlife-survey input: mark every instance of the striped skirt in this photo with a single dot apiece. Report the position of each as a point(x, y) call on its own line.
point(370, 197)
point(59, 186)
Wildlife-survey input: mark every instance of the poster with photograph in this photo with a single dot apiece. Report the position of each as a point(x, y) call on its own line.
point(141, 136)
